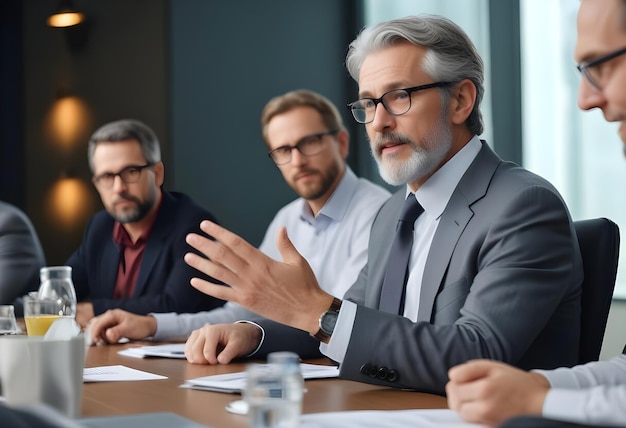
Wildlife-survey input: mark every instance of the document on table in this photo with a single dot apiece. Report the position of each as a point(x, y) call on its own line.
point(235, 382)
point(423, 418)
point(116, 373)
point(174, 350)
point(141, 420)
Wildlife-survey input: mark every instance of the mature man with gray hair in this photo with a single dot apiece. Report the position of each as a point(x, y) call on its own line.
point(132, 252)
point(474, 256)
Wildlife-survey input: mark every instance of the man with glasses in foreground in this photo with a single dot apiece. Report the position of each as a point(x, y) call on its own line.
point(329, 223)
point(594, 393)
point(493, 267)
point(132, 252)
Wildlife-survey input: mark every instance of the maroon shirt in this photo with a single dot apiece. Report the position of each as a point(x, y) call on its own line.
point(130, 262)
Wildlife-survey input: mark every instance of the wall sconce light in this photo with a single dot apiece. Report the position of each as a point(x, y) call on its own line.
point(73, 23)
point(68, 122)
point(69, 202)
point(65, 16)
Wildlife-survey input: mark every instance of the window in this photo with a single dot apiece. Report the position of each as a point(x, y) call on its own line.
point(577, 151)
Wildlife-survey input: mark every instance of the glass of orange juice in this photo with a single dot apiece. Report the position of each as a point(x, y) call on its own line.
point(39, 314)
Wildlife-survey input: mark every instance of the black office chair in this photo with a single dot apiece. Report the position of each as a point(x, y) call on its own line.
point(598, 239)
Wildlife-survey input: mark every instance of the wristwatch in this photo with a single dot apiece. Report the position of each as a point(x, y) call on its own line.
point(327, 321)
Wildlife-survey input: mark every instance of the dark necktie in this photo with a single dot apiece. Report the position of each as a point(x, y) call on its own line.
point(392, 293)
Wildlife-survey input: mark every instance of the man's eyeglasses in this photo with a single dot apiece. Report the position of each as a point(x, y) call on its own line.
point(592, 71)
point(396, 102)
point(309, 145)
point(130, 174)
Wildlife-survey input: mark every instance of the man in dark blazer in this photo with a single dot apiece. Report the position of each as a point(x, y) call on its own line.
point(21, 255)
point(494, 268)
point(132, 253)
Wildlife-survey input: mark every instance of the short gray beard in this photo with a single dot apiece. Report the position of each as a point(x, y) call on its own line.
point(133, 215)
point(136, 214)
point(423, 160)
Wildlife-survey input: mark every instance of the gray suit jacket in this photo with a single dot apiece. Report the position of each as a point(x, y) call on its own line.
point(21, 255)
point(502, 281)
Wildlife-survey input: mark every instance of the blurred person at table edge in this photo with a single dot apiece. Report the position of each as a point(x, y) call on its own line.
point(21, 256)
point(593, 394)
point(131, 256)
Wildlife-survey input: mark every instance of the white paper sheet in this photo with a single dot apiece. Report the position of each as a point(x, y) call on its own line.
point(116, 373)
point(174, 350)
point(236, 382)
point(422, 418)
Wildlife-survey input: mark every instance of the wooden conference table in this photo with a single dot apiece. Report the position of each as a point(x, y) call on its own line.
point(208, 408)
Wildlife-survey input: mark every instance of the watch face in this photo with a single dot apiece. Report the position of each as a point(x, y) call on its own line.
point(327, 324)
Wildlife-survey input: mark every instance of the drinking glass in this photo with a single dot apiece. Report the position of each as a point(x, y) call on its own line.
point(8, 324)
point(39, 314)
point(273, 395)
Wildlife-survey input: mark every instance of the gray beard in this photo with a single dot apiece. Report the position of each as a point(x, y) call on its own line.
point(133, 215)
point(423, 160)
point(136, 214)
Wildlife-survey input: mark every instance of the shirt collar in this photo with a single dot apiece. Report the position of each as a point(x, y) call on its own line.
point(435, 193)
point(121, 236)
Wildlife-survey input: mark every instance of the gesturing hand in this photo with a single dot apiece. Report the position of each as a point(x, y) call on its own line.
point(286, 292)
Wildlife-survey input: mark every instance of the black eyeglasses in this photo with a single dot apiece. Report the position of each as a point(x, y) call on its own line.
point(593, 73)
point(396, 102)
point(309, 145)
point(130, 174)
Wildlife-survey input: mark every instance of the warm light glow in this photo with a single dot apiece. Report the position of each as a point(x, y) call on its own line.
point(69, 203)
point(69, 121)
point(65, 19)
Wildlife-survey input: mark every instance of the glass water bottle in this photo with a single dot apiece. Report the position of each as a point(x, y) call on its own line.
point(56, 284)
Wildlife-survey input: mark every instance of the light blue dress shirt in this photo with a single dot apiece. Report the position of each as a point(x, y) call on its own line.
point(593, 393)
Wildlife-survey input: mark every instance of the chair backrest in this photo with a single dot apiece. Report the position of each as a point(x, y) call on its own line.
point(598, 239)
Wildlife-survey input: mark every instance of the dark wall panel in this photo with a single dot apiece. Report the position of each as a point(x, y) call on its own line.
point(11, 144)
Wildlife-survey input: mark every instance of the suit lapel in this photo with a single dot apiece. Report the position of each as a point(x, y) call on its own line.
point(150, 256)
point(472, 187)
point(451, 226)
point(111, 262)
point(155, 246)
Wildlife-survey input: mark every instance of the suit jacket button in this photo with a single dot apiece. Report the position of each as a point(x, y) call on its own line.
point(382, 373)
point(393, 375)
point(369, 370)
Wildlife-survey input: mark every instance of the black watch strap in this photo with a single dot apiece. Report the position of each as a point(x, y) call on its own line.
point(324, 333)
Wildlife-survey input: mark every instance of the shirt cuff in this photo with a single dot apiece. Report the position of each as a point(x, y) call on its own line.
point(338, 345)
point(560, 378)
point(565, 405)
point(166, 326)
point(262, 336)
